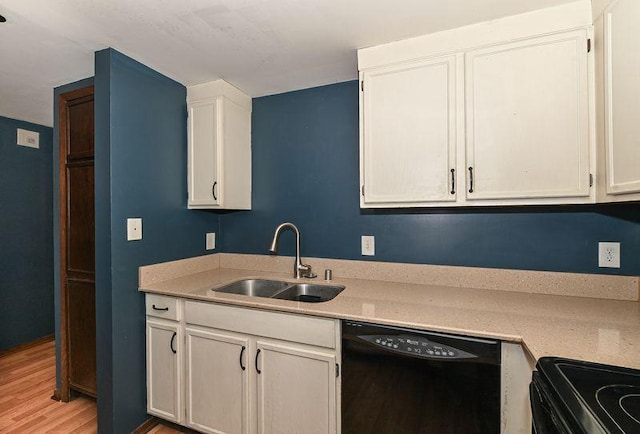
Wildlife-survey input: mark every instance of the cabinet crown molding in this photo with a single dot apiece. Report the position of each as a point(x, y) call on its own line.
point(576, 15)
point(218, 88)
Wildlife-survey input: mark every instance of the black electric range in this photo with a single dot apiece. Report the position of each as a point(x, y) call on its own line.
point(571, 396)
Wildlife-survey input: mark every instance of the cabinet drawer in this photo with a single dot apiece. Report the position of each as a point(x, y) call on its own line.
point(309, 330)
point(162, 306)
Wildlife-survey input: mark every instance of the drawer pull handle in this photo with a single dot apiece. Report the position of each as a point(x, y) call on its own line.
point(166, 309)
point(242, 354)
point(258, 354)
point(171, 344)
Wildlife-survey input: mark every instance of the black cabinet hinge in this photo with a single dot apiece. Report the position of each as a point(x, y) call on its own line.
point(589, 45)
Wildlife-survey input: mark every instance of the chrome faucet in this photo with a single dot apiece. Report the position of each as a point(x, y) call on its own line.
point(299, 269)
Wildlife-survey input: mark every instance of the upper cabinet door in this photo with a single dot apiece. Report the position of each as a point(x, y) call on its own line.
point(204, 158)
point(527, 119)
point(622, 97)
point(408, 134)
point(219, 146)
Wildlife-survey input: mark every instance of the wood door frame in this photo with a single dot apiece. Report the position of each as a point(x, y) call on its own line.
point(64, 393)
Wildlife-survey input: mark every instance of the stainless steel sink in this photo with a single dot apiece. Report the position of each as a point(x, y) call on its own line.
point(309, 293)
point(304, 292)
point(254, 287)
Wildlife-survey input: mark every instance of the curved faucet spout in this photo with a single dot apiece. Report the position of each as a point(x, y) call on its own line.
point(276, 236)
point(299, 269)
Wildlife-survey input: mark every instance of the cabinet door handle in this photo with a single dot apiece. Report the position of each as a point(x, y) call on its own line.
point(213, 190)
point(242, 354)
point(470, 179)
point(258, 354)
point(171, 344)
point(166, 309)
point(453, 181)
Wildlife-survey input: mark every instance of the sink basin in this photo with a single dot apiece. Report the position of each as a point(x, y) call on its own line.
point(254, 287)
point(305, 292)
point(309, 293)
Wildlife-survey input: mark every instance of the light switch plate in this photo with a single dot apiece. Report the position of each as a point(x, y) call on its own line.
point(368, 245)
point(211, 240)
point(134, 229)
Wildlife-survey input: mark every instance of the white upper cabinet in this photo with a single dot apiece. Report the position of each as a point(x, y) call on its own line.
point(408, 143)
point(527, 119)
point(497, 113)
point(622, 99)
point(219, 147)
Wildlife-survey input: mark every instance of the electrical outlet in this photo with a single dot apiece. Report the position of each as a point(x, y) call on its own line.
point(211, 240)
point(609, 255)
point(368, 245)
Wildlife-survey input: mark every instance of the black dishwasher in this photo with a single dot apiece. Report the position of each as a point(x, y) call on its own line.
point(402, 381)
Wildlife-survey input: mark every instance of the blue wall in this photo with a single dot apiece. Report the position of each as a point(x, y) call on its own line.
point(141, 165)
point(26, 256)
point(305, 170)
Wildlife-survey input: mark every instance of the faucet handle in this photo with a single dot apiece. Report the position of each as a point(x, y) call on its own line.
point(306, 271)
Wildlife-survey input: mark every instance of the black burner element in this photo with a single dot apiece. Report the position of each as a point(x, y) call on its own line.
point(590, 397)
point(622, 404)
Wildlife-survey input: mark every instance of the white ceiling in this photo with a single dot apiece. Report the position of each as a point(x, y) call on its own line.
point(263, 47)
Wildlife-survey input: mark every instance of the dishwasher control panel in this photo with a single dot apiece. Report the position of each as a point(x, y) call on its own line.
point(417, 346)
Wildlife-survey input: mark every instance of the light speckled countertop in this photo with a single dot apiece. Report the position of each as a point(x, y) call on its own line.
point(599, 330)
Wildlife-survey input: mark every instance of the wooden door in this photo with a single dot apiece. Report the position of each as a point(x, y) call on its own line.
point(408, 143)
point(77, 235)
point(296, 389)
point(217, 368)
point(164, 369)
point(527, 119)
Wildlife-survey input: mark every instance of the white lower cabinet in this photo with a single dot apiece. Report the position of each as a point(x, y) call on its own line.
point(244, 371)
point(217, 385)
point(515, 375)
point(164, 373)
point(296, 389)
point(231, 370)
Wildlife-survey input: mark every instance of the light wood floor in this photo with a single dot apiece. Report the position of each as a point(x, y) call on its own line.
point(27, 380)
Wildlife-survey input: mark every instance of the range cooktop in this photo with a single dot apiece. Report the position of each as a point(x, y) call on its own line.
point(594, 397)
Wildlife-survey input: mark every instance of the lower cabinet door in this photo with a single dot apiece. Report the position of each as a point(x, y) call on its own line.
point(164, 367)
point(217, 367)
point(296, 389)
